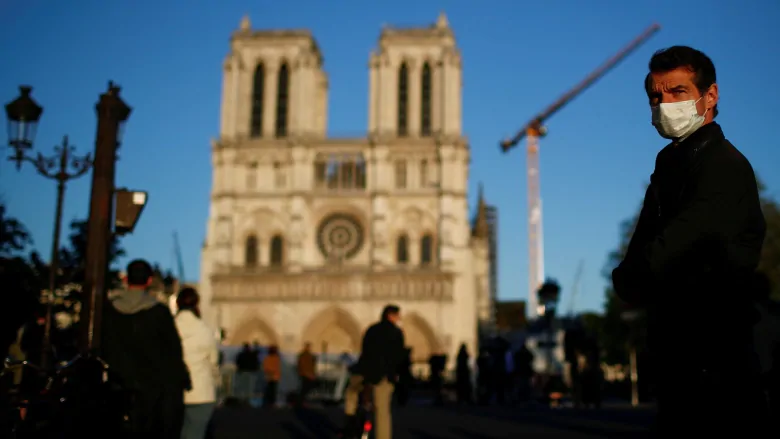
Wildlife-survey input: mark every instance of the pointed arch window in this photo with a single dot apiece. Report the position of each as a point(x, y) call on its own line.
point(250, 251)
point(425, 102)
point(403, 100)
point(402, 249)
point(426, 249)
point(282, 100)
point(258, 85)
point(424, 174)
point(277, 251)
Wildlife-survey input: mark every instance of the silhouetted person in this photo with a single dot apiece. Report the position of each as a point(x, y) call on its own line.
point(247, 360)
point(463, 376)
point(257, 350)
point(524, 370)
point(696, 244)
point(436, 364)
point(381, 354)
point(484, 377)
point(500, 378)
point(247, 368)
point(590, 373)
point(405, 378)
point(307, 371)
point(143, 350)
point(272, 369)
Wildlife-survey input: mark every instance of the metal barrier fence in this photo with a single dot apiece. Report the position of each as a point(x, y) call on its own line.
point(331, 382)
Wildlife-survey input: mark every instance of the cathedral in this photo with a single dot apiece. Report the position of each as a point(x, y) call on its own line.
point(310, 236)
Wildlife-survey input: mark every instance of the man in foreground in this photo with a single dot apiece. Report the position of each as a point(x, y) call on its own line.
point(143, 350)
point(381, 355)
point(692, 257)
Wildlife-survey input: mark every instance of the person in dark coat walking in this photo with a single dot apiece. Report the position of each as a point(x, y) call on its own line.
point(144, 353)
point(690, 260)
point(463, 376)
point(382, 353)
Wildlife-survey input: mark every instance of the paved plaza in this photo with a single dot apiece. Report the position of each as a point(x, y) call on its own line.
point(425, 422)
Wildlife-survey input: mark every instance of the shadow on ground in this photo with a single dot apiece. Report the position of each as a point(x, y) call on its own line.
point(610, 423)
point(439, 423)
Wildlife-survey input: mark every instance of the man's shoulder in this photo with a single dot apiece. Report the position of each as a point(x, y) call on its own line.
point(380, 329)
point(664, 152)
point(159, 311)
point(374, 326)
point(726, 160)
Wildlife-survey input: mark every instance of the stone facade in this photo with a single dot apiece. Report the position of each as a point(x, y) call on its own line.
point(308, 236)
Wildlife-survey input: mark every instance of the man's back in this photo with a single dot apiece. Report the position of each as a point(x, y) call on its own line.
point(143, 350)
point(382, 353)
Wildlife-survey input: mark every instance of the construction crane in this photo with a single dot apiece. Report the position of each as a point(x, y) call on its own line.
point(177, 255)
point(532, 131)
point(575, 287)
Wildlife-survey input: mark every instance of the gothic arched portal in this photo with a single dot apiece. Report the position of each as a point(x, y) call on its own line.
point(420, 337)
point(333, 330)
point(253, 330)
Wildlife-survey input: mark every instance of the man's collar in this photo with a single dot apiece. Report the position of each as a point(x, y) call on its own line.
point(702, 136)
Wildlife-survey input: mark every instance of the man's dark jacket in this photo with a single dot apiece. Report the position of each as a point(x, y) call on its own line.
point(143, 350)
point(691, 260)
point(382, 352)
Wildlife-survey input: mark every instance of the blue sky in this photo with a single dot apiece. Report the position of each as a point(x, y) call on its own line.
point(518, 56)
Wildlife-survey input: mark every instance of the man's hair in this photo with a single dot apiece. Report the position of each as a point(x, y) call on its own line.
point(138, 273)
point(187, 299)
point(390, 310)
point(675, 57)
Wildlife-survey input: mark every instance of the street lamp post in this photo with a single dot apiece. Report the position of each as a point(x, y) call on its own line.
point(548, 295)
point(112, 113)
point(23, 116)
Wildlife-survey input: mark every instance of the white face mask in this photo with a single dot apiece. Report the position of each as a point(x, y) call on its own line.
point(677, 120)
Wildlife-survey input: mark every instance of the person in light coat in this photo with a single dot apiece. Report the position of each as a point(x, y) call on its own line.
point(201, 356)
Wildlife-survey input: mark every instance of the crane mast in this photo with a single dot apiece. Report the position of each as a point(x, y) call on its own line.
point(535, 237)
point(532, 131)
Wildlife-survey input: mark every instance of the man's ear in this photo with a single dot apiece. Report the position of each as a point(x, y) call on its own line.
point(149, 282)
point(711, 97)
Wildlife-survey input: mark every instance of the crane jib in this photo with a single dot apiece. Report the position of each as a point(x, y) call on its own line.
point(536, 122)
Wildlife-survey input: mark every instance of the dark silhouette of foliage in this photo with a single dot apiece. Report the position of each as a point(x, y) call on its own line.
point(20, 282)
point(14, 237)
point(73, 258)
